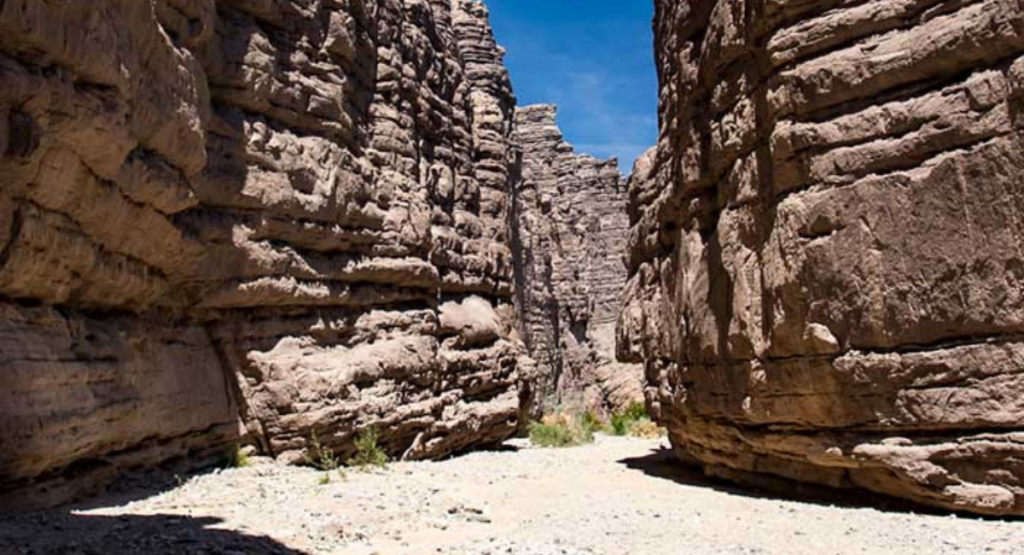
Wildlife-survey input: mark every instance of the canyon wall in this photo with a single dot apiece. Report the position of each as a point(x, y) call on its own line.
point(569, 245)
point(271, 220)
point(825, 254)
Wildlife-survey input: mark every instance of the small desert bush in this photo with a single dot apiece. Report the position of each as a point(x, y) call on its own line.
point(552, 435)
point(646, 429)
point(320, 457)
point(563, 429)
point(368, 453)
point(591, 421)
point(634, 421)
point(236, 457)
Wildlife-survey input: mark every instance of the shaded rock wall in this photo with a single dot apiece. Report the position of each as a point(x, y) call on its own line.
point(826, 245)
point(250, 218)
point(570, 229)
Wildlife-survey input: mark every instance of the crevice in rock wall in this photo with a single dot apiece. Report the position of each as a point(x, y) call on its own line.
point(572, 222)
point(823, 246)
point(229, 222)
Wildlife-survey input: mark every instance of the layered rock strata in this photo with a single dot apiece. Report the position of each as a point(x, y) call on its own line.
point(274, 220)
point(826, 246)
point(569, 245)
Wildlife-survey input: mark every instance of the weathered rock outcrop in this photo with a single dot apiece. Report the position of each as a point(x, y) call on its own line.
point(269, 219)
point(826, 245)
point(569, 244)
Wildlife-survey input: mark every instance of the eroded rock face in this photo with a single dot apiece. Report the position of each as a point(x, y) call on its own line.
point(825, 252)
point(268, 219)
point(569, 235)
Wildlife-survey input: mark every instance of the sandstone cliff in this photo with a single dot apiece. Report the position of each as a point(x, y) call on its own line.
point(826, 245)
point(569, 245)
point(258, 218)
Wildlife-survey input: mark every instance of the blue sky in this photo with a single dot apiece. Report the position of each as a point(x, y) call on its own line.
point(594, 59)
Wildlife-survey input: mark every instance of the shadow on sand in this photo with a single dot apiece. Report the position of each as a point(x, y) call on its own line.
point(64, 533)
point(68, 531)
point(662, 463)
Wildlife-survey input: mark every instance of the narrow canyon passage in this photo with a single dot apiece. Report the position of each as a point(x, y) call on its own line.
point(618, 496)
point(319, 233)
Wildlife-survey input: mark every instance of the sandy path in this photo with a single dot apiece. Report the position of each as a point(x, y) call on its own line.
point(617, 497)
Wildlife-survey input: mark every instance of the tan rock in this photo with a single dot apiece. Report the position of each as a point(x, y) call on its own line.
point(569, 250)
point(217, 212)
point(824, 254)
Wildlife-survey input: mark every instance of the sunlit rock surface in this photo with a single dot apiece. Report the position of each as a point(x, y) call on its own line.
point(570, 229)
point(825, 253)
point(271, 220)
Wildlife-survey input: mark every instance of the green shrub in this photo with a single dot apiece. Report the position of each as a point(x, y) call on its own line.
point(368, 453)
point(564, 430)
point(236, 457)
point(624, 422)
point(591, 421)
point(320, 457)
point(549, 435)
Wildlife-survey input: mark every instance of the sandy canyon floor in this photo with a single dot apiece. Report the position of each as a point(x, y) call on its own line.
point(619, 496)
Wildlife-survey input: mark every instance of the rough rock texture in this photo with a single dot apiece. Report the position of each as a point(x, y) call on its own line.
point(826, 245)
point(258, 218)
point(569, 242)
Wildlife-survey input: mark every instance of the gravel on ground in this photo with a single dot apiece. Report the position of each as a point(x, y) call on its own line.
point(618, 496)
